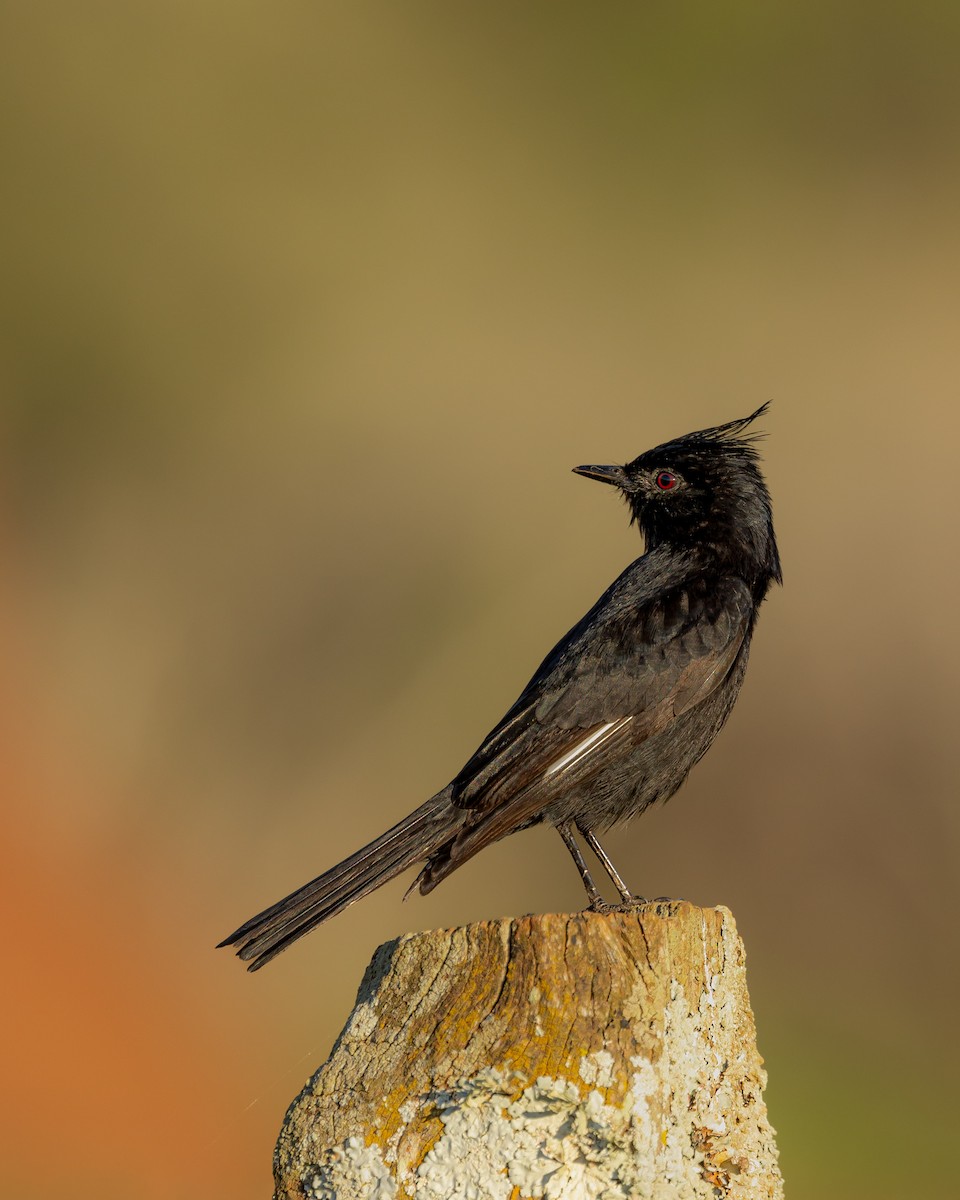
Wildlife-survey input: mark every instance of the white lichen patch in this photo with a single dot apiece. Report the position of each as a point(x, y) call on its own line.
point(349, 1172)
point(696, 1083)
point(363, 1021)
point(553, 1142)
point(550, 1142)
point(570, 1147)
point(682, 1102)
point(535, 997)
point(408, 1111)
point(597, 1068)
point(643, 1085)
point(472, 1154)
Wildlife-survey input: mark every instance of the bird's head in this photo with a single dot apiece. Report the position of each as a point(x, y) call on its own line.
point(702, 489)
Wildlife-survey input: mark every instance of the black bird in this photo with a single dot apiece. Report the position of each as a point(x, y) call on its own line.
point(621, 708)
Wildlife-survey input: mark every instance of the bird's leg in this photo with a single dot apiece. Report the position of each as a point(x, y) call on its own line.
point(604, 858)
point(596, 900)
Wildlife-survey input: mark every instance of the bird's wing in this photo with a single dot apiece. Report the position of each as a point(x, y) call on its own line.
point(619, 678)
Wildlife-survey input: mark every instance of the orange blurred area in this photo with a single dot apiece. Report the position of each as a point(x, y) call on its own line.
point(306, 315)
point(111, 1076)
point(117, 1074)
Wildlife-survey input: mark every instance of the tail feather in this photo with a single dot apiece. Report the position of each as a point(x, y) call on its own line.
point(264, 936)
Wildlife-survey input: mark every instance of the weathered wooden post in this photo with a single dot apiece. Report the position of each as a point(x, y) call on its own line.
point(564, 1056)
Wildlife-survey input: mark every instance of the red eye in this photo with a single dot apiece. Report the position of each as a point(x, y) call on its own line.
point(666, 480)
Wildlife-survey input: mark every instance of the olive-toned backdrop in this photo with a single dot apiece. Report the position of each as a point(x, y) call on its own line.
point(308, 310)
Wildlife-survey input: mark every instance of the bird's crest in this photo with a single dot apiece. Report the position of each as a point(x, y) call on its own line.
point(731, 431)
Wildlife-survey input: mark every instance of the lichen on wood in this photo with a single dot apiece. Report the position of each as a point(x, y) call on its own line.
point(570, 1057)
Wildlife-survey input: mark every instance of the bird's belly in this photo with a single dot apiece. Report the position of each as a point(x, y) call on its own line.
point(648, 772)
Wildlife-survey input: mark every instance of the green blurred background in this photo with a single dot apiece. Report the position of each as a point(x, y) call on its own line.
point(308, 309)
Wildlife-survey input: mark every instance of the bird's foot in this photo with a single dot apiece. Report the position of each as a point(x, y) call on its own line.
point(666, 906)
point(601, 906)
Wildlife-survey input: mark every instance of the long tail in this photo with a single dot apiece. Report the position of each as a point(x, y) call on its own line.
point(264, 936)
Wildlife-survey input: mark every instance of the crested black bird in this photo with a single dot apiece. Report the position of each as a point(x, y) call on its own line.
point(619, 710)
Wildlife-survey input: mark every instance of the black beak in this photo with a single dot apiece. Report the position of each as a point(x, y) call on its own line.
point(614, 475)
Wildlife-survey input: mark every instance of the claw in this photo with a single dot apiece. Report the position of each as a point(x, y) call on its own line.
point(631, 905)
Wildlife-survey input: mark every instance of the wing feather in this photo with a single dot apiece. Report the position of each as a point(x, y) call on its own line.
point(640, 670)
